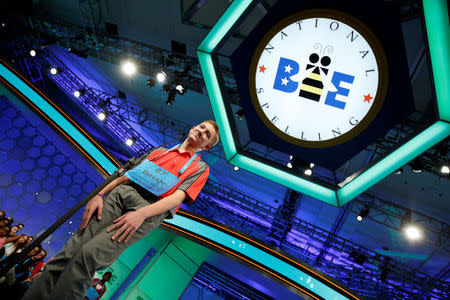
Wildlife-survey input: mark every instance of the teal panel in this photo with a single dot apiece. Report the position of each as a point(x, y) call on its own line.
point(423, 141)
point(438, 32)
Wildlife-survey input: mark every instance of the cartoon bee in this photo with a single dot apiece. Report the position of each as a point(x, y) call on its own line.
point(314, 77)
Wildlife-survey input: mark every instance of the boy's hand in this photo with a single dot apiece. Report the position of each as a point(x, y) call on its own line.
point(128, 223)
point(95, 204)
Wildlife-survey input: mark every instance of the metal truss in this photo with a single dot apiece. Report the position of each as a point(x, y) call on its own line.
point(225, 285)
point(114, 49)
point(303, 238)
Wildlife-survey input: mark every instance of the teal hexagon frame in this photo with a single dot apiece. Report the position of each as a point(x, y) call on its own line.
point(438, 32)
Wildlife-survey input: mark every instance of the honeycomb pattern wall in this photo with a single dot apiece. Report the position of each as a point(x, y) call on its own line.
point(38, 182)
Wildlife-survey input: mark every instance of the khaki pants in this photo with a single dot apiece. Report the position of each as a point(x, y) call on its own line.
point(70, 273)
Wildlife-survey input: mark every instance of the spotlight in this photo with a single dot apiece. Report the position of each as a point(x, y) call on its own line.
point(412, 232)
point(180, 89)
point(78, 93)
point(129, 68)
point(54, 70)
point(161, 76)
point(102, 116)
point(166, 88)
point(130, 141)
point(240, 114)
point(308, 172)
point(151, 82)
point(399, 171)
point(236, 168)
point(33, 53)
point(416, 166)
point(362, 214)
point(445, 169)
point(171, 98)
point(289, 165)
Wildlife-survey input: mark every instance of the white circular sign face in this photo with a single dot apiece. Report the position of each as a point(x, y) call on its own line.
point(316, 79)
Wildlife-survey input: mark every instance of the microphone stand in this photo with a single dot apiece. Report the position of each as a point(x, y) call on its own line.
point(12, 260)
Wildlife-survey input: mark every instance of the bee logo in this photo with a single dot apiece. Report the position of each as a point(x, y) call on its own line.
point(312, 85)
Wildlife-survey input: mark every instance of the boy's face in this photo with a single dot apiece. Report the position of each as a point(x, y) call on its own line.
point(202, 135)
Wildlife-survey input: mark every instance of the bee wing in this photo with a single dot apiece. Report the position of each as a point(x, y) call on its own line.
point(302, 74)
point(327, 82)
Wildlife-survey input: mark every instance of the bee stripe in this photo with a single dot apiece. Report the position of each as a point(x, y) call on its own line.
point(312, 82)
point(309, 95)
point(315, 76)
point(311, 89)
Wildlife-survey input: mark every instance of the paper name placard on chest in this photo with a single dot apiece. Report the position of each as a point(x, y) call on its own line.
point(154, 178)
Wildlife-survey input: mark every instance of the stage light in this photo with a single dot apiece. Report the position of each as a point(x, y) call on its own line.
point(399, 171)
point(130, 141)
point(308, 172)
point(362, 214)
point(412, 232)
point(240, 114)
point(129, 68)
point(289, 165)
point(179, 88)
point(166, 88)
point(161, 76)
point(102, 116)
point(171, 98)
point(416, 166)
point(78, 93)
point(236, 168)
point(54, 70)
point(151, 82)
point(445, 169)
point(33, 53)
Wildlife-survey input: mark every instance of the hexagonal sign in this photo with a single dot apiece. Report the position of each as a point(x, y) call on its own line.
point(438, 31)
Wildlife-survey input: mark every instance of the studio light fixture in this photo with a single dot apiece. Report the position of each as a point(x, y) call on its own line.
point(180, 89)
point(130, 141)
point(411, 230)
point(445, 169)
point(78, 93)
point(151, 82)
point(240, 114)
point(236, 168)
point(161, 76)
point(33, 52)
point(54, 70)
point(166, 87)
point(362, 214)
point(128, 68)
point(416, 166)
point(102, 116)
point(171, 97)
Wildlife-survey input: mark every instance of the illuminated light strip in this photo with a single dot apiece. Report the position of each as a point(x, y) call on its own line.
point(60, 111)
point(181, 213)
point(217, 103)
point(274, 263)
point(438, 32)
point(27, 92)
point(226, 21)
point(414, 147)
point(241, 257)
